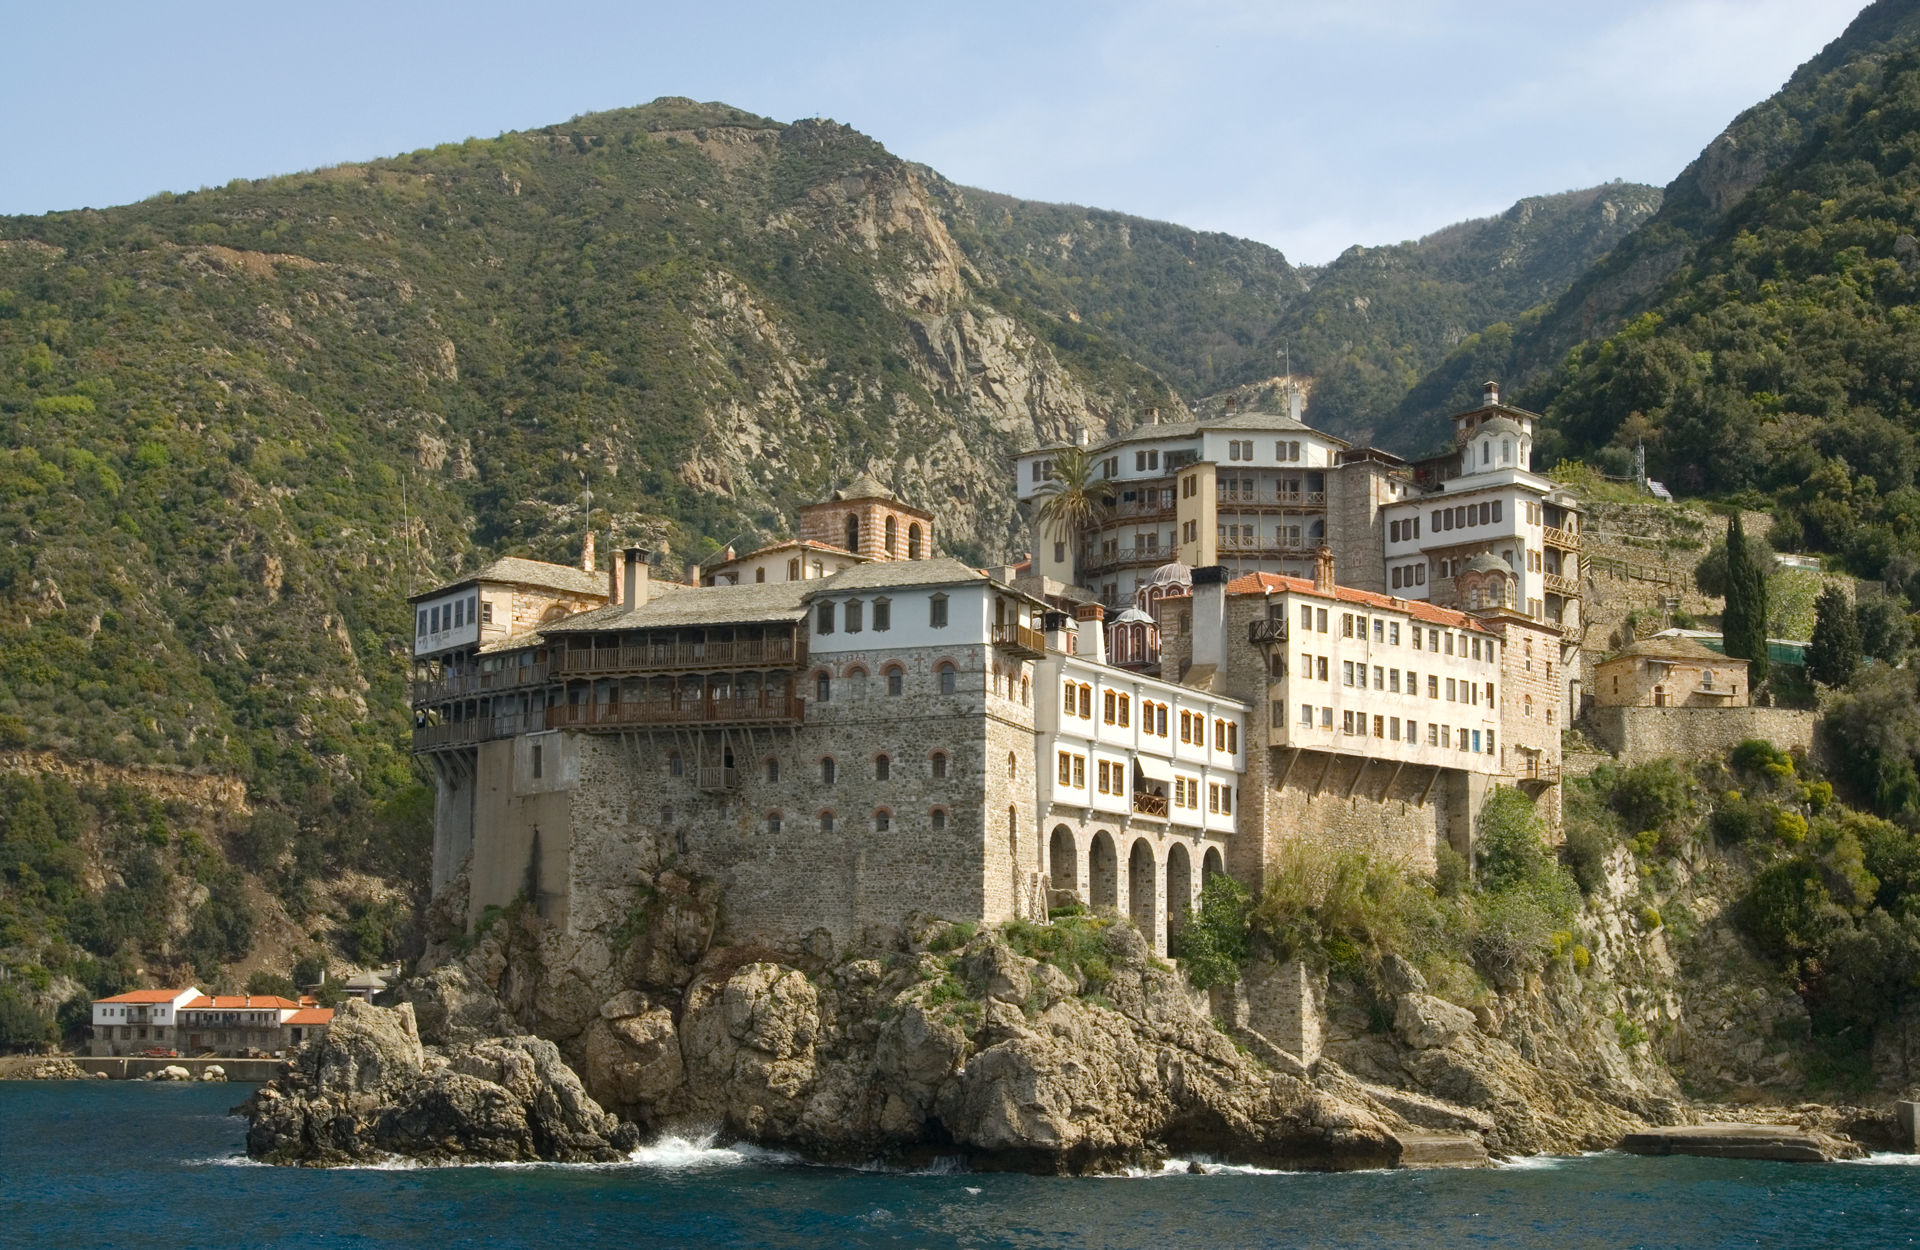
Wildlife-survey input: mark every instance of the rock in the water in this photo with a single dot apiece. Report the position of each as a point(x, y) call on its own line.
point(1742, 1141)
point(367, 1089)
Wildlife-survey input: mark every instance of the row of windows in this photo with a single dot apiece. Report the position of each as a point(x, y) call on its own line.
point(1186, 793)
point(1403, 531)
point(945, 676)
point(1356, 625)
point(882, 820)
point(456, 615)
point(1409, 575)
point(1464, 516)
point(1387, 680)
point(852, 615)
point(1242, 449)
point(1389, 728)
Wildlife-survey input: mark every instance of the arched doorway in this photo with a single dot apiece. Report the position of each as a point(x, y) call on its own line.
point(1141, 904)
point(1103, 871)
point(1063, 864)
point(1179, 891)
point(1210, 866)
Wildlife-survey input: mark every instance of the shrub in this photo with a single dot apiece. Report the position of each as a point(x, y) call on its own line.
point(1790, 827)
point(953, 937)
point(264, 982)
point(1656, 795)
point(1649, 916)
point(22, 1025)
point(1214, 942)
point(1511, 840)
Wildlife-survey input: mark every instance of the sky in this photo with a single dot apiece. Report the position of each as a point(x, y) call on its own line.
point(1310, 125)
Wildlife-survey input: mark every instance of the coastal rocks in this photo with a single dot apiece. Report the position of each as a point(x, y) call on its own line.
point(172, 1072)
point(1743, 1141)
point(56, 1069)
point(368, 1089)
point(213, 1072)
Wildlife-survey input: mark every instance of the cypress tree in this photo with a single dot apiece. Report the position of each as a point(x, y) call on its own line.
point(1743, 625)
point(1834, 652)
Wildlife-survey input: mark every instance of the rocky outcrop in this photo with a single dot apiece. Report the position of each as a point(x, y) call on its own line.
point(368, 1089)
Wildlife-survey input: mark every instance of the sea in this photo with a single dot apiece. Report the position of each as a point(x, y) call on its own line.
point(111, 1163)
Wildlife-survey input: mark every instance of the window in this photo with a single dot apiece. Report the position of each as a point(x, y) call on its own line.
point(937, 612)
point(1393, 634)
point(1320, 668)
point(1433, 686)
point(882, 820)
point(882, 615)
point(1433, 734)
point(486, 613)
point(793, 570)
point(536, 760)
point(896, 679)
point(1233, 739)
point(1379, 727)
point(1379, 678)
point(1326, 718)
point(913, 541)
point(1346, 624)
point(1346, 724)
point(773, 822)
point(1393, 729)
point(1126, 702)
point(855, 611)
point(824, 625)
point(420, 626)
point(937, 818)
point(1306, 714)
point(676, 767)
point(1213, 797)
point(822, 688)
point(1013, 766)
point(1059, 553)
point(1379, 630)
point(1086, 701)
point(827, 770)
point(1451, 697)
point(892, 547)
point(937, 765)
point(853, 533)
point(949, 678)
point(1066, 769)
point(1079, 772)
point(1160, 721)
point(1108, 704)
point(883, 768)
point(1346, 673)
point(1320, 621)
point(773, 769)
point(760, 574)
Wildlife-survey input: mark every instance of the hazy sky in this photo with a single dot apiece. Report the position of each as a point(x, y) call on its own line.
point(1310, 125)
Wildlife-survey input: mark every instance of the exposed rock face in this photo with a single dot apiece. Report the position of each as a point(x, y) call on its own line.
point(367, 1089)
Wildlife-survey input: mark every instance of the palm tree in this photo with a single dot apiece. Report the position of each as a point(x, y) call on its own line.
point(1071, 499)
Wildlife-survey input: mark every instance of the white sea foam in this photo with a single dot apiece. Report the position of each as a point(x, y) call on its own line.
point(1208, 1166)
point(673, 1153)
point(1543, 1163)
point(227, 1161)
point(1887, 1159)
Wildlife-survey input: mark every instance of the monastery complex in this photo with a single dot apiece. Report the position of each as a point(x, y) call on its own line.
point(1267, 638)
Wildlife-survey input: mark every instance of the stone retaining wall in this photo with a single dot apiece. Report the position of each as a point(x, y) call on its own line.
point(1637, 734)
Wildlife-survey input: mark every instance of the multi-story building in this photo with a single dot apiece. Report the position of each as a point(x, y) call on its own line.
point(138, 1020)
point(1261, 492)
point(187, 1021)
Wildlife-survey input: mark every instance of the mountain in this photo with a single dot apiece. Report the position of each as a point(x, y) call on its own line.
point(1378, 318)
point(1527, 349)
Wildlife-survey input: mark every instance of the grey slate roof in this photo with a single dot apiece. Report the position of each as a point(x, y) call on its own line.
point(704, 605)
point(516, 571)
point(884, 574)
point(1658, 648)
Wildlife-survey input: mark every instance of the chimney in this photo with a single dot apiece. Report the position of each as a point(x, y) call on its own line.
point(1054, 626)
point(693, 575)
point(1210, 615)
point(637, 571)
point(1490, 394)
point(1232, 403)
point(1153, 416)
point(1323, 570)
point(1093, 629)
point(1082, 437)
point(614, 571)
point(1293, 402)
point(586, 554)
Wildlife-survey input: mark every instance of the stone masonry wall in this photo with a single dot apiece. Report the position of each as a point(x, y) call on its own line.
point(1637, 734)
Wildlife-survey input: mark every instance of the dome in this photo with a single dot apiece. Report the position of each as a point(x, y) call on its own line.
point(1131, 616)
point(1487, 562)
point(1500, 425)
point(1173, 573)
point(866, 486)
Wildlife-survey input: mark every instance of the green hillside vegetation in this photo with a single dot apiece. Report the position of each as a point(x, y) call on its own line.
point(1527, 349)
point(1785, 358)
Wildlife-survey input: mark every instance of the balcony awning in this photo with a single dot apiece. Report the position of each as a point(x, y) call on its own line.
point(1154, 769)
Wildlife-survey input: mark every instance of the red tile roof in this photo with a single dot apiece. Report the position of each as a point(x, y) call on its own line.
point(237, 1002)
point(1419, 609)
point(146, 996)
point(311, 1015)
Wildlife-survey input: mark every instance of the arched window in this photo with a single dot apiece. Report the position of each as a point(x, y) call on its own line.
point(827, 770)
point(822, 688)
point(938, 764)
point(793, 570)
point(892, 538)
point(675, 765)
point(773, 822)
point(938, 819)
point(949, 678)
point(1013, 766)
point(896, 679)
point(853, 533)
point(1026, 691)
point(913, 541)
point(882, 767)
point(773, 769)
point(826, 822)
point(882, 820)
point(1506, 451)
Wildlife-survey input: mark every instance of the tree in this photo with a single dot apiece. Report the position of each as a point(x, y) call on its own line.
point(1834, 653)
point(1071, 499)
point(1710, 575)
point(1743, 624)
point(1881, 628)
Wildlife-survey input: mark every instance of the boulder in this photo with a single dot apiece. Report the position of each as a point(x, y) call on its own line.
point(1426, 1022)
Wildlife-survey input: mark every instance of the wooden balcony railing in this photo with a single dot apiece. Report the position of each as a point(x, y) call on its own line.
point(1266, 631)
point(639, 715)
point(1542, 771)
point(715, 779)
point(1162, 506)
point(460, 685)
point(1148, 804)
point(1261, 545)
point(1021, 640)
point(681, 655)
point(475, 729)
point(1275, 499)
point(1558, 585)
point(1564, 539)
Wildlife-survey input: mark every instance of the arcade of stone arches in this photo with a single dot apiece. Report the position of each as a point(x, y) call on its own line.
point(1151, 878)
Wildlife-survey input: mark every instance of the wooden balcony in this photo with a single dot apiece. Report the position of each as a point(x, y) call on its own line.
point(717, 780)
point(1147, 804)
point(1558, 585)
point(1020, 640)
point(1141, 509)
point(680, 655)
point(1124, 557)
point(1234, 497)
point(462, 685)
point(1566, 540)
point(1537, 771)
point(1261, 632)
point(1262, 546)
point(653, 713)
point(454, 735)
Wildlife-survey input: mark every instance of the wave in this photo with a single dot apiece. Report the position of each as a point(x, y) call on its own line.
point(1198, 1165)
point(1545, 1162)
point(1886, 1158)
point(674, 1153)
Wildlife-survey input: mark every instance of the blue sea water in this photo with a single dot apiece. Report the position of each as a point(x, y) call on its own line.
point(127, 1164)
